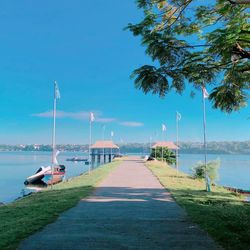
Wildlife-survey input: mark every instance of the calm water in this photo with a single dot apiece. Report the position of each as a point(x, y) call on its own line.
point(234, 170)
point(16, 166)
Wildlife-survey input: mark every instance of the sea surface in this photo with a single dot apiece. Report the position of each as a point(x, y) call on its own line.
point(15, 167)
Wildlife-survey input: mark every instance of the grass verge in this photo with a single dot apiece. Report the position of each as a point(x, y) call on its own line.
point(221, 213)
point(30, 214)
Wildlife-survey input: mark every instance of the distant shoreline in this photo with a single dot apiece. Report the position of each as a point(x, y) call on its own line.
point(223, 147)
point(131, 152)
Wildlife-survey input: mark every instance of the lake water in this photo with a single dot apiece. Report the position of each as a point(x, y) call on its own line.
point(16, 166)
point(234, 169)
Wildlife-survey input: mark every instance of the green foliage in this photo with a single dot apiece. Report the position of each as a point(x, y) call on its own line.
point(195, 42)
point(212, 167)
point(167, 155)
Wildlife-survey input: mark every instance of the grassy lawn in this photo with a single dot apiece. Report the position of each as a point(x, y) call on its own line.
point(24, 217)
point(221, 213)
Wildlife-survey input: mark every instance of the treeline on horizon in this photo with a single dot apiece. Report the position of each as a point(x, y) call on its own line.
point(224, 147)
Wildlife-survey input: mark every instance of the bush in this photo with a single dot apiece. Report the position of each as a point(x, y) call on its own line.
point(212, 170)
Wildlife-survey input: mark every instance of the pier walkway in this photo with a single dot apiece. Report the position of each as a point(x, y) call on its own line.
point(128, 210)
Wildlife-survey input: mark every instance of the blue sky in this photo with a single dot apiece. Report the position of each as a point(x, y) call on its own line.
point(83, 46)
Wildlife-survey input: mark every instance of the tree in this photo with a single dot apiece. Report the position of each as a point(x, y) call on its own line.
point(196, 44)
point(164, 153)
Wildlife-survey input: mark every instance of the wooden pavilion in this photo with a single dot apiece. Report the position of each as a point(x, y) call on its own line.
point(104, 150)
point(165, 144)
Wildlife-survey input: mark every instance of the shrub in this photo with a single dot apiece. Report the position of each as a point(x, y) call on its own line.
point(212, 170)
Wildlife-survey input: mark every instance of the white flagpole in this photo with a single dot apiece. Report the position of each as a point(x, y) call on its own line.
point(177, 141)
point(155, 142)
point(162, 147)
point(111, 140)
point(53, 135)
point(103, 130)
point(150, 144)
point(90, 141)
point(205, 139)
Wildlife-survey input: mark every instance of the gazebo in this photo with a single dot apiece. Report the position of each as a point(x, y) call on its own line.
point(166, 144)
point(103, 149)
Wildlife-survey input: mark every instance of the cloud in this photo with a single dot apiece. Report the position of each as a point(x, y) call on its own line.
point(105, 120)
point(131, 124)
point(81, 115)
point(84, 115)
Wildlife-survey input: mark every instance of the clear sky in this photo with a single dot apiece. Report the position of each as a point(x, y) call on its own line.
point(82, 45)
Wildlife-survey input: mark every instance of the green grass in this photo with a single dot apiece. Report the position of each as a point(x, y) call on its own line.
point(221, 213)
point(30, 214)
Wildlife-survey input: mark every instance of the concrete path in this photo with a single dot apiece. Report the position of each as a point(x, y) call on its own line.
point(129, 210)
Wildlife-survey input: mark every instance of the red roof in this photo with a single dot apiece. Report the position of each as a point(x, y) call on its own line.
point(104, 144)
point(165, 144)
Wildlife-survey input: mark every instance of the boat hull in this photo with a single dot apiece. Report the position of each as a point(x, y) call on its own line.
point(38, 176)
point(44, 175)
point(34, 180)
point(50, 179)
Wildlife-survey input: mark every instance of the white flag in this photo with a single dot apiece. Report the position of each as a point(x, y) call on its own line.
point(55, 154)
point(163, 127)
point(112, 133)
point(205, 93)
point(91, 117)
point(57, 92)
point(178, 116)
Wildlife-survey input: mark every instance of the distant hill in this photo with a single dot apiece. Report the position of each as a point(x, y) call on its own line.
point(226, 147)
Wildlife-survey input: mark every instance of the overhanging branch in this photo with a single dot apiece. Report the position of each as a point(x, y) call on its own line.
point(239, 1)
point(241, 52)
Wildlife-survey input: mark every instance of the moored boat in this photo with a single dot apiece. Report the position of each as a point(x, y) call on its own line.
point(76, 159)
point(55, 177)
point(38, 176)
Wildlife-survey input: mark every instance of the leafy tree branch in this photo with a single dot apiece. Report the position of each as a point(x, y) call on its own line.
point(196, 44)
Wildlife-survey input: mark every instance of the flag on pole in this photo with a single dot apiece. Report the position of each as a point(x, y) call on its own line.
point(112, 133)
point(205, 93)
point(91, 117)
point(57, 92)
point(55, 154)
point(163, 127)
point(178, 116)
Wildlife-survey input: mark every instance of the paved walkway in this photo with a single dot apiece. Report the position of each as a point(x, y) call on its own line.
point(129, 210)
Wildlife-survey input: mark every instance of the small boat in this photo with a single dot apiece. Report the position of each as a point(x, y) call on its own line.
point(57, 176)
point(38, 176)
point(44, 176)
point(76, 159)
